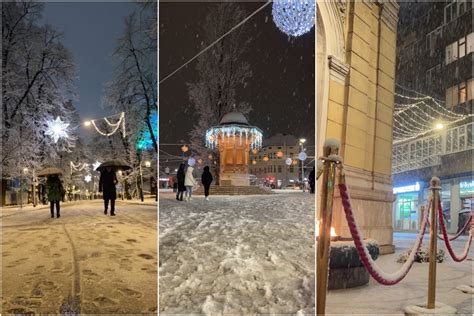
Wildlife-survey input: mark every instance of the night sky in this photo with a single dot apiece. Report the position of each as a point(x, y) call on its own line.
point(281, 90)
point(90, 31)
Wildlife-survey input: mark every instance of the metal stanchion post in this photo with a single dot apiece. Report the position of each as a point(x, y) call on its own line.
point(331, 148)
point(435, 186)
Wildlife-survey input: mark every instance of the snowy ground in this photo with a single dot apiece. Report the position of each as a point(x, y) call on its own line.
point(237, 254)
point(379, 299)
point(84, 261)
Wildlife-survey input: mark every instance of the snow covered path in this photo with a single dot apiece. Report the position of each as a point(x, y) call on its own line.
point(237, 254)
point(379, 299)
point(84, 261)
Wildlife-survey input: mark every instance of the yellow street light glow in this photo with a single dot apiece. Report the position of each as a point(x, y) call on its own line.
point(302, 140)
point(147, 164)
point(87, 123)
point(439, 126)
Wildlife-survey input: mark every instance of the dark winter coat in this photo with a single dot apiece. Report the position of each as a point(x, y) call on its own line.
point(107, 183)
point(206, 178)
point(311, 178)
point(181, 176)
point(54, 188)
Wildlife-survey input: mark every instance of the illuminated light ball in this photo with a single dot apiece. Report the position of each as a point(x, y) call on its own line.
point(184, 148)
point(279, 154)
point(191, 161)
point(288, 161)
point(147, 164)
point(294, 17)
point(295, 162)
point(302, 156)
point(210, 157)
point(199, 161)
point(254, 151)
point(265, 158)
point(254, 162)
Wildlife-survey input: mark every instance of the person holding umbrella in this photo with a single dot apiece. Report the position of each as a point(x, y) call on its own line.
point(107, 183)
point(55, 190)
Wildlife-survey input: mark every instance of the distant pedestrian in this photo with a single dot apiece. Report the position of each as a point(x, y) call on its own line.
point(206, 180)
point(463, 216)
point(189, 182)
point(311, 179)
point(180, 177)
point(55, 191)
point(107, 183)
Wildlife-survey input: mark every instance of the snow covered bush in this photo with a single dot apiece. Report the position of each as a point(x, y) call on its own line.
point(422, 255)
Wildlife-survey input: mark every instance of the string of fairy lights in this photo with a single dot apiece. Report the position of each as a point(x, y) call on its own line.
point(114, 127)
point(420, 115)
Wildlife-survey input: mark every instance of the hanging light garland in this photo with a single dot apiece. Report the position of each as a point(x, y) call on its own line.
point(294, 17)
point(250, 134)
point(78, 167)
point(418, 118)
point(114, 126)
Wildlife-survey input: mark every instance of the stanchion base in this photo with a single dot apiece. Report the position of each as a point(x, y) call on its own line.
point(440, 309)
point(469, 289)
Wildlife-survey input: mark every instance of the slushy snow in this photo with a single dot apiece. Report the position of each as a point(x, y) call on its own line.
point(237, 254)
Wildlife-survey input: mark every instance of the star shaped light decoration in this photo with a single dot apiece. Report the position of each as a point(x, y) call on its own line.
point(96, 165)
point(57, 129)
point(88, 178)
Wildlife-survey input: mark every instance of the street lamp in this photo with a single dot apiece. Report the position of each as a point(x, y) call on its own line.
point(302, 141)
point(439, 126)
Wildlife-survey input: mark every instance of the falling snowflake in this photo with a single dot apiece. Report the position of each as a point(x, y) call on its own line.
point(57, 129)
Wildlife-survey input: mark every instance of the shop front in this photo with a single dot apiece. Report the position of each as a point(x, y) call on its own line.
point(407, 207)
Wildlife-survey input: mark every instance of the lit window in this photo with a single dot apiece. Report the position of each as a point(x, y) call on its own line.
point(462, 93)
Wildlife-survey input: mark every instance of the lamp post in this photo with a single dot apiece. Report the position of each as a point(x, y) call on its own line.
point(302, 141)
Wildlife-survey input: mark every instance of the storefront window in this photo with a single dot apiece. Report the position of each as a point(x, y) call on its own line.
point(406, 214)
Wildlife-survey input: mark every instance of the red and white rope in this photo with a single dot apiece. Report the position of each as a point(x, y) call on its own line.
point(374, 270)
point(446, 238)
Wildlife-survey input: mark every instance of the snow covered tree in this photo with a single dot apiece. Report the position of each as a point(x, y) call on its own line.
point(133, 89)
point(221, 71)
point(37, 83)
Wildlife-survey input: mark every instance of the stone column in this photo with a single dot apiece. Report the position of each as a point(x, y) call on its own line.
point(360, 114)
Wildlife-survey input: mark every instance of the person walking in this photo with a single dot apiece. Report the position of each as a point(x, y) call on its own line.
point(55, 191)
point(107, 182)
point(312, 180)
point(206, 180)
point(180, 176)
point(189, 182)
point(463, 216)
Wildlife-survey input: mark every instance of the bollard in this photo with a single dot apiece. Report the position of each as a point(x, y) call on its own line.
point(435, 187)
point(330, 152)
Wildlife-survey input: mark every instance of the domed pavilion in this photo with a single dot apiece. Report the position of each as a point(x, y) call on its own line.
point(234, 138)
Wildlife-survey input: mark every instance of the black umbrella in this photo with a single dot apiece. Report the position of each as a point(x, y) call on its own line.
point(114, 164)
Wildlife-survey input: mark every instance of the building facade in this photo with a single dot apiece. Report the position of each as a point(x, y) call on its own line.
point(356, 49)
point(434, 72)
point(269, 164)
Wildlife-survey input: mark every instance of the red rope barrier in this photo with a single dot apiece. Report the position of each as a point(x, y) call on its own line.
point(446, 239)
point(369, 264)
point(459, 233)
